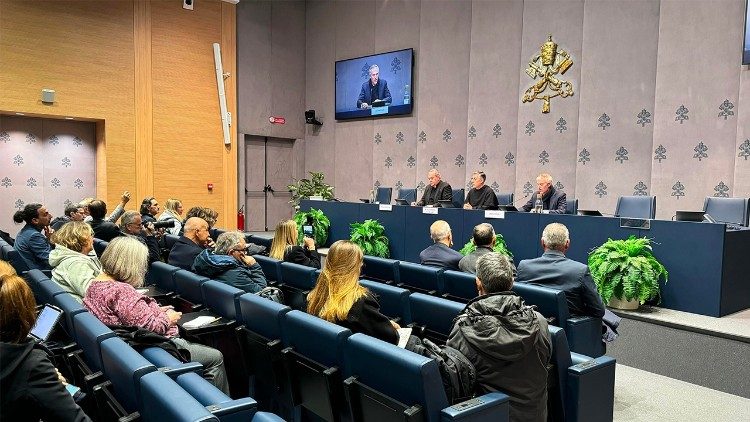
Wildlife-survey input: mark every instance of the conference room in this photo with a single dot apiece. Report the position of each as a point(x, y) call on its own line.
point(369, 121)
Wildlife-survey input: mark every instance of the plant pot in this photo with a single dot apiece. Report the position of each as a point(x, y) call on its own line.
point(617, 303)
point(316, 198)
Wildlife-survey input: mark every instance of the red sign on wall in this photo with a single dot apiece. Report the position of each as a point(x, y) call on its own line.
point(277, 120)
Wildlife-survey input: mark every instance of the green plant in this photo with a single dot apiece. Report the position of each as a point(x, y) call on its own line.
point(370, 236)
point(500, 246)
point(321, 224)
point(627, 269)
point(305, 188)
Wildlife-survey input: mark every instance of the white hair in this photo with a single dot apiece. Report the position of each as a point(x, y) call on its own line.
point(439, 230)
point(555, 236)
point(373, 67)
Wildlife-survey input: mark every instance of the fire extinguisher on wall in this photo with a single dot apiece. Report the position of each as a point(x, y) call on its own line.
point(241, 219)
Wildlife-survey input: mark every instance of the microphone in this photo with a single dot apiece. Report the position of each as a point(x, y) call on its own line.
point(519, 200)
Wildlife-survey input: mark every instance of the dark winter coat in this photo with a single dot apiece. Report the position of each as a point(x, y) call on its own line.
point(227, 269)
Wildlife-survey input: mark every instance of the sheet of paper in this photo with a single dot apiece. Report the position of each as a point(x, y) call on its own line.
point(403, 336)
point(200, 321)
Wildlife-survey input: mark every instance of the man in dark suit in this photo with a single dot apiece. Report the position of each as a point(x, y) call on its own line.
point(375, 89)
point(552, 199)
point(193, 241)
point(440, 253)
point(554, 270)
point(103, 229)
point(437, 190)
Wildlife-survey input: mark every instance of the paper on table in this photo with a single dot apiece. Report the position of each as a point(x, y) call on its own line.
point(403, 336)
point(200, 321)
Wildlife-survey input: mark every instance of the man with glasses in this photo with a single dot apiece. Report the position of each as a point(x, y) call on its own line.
point(480, 196)
point(230, 263)
point(193, 241)
point(131, 224)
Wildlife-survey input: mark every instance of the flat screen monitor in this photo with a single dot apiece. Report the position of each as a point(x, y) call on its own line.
point(375, 86)
point(746, 43)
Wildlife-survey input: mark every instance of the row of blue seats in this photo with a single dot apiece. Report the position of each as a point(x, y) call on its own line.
point(155, 384)
point(8, 254)
point(580, 379)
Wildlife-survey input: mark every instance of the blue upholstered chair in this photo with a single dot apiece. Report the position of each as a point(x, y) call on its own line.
point(458, 198)
point(380, 269)
point(459, 286)
point(504, 198)
point(70, 308)
point(314, 367)
point(164, 400)
point(383, 195)
point(636, 207)
point(188, 287)
point(415, 394)
point(89, 333)
point(124, 367)
point(433, 316)
point(571, 206)
point(296, 282)
point(271, 267)
point(727, 210)
point(215, 401)
point(409, 195)
point(100, 246)
point(394, 301)
point(162, 275)
point(222, 298)
point(419, 277)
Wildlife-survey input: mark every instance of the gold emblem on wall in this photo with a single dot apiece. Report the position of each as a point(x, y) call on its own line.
point(547, 66)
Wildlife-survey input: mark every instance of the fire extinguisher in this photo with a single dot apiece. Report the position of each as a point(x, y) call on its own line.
point(241, 219)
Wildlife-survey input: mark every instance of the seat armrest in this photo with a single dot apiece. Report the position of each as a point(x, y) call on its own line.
point(585, 335)
point(489, 407)
point(590, 389)
point(240, 409)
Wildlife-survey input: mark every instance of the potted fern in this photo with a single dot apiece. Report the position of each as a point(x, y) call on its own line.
point(370, 236)
point(626, 272)
point(314, 187)
point(500, 246)
point(320, 223)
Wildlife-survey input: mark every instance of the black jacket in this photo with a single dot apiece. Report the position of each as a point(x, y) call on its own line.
point(365, 317)
point(509, 345)
point(554, 270)
point(104, 230)
point(183, 253)
point(30, 388)
point(303, 256)
point(554, 201)
point(483, 198)
point(154, 253)
point(441, 192)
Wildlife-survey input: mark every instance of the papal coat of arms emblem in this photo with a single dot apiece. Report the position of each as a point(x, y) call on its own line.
point(547, 66)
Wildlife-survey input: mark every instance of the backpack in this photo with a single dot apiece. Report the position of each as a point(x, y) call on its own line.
point(272, 293)
point(458, 373)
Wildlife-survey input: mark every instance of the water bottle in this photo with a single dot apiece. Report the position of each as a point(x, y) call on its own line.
point(372, 196)
point(407, 94)
point(538, 205)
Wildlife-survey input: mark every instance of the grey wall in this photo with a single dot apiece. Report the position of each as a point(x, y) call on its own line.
point(629, 56)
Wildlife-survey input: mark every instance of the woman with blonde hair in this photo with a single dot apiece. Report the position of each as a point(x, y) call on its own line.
point(339, 298)
point(32, 389)
point(112, 297)
point(74, 262)
point(172, 212)
point(285, 248)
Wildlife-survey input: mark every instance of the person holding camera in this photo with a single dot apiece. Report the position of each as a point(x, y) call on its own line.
point(285, 246)
point(131, 224)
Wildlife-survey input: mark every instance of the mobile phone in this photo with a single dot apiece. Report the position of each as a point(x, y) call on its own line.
point(307, 230)
point(72, 389)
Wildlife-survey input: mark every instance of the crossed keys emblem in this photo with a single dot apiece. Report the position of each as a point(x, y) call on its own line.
point(547, 66)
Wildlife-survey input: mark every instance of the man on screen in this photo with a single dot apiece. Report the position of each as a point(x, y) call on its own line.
point(375, 89)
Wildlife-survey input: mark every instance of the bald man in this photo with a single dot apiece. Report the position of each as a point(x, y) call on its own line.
point(193, 241)
point(440, 253)
point(437, 190)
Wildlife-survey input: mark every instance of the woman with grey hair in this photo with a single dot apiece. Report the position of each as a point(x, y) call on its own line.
point(230, 263)
point(112, 297)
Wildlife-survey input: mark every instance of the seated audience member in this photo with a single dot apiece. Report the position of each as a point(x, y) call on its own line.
point(172, 212)
point(103, 229)
point(484, 240)
point(230, 263)
point(554, 270)
point(207, 214)
point(73, 212)
point(131, 225)
point(32, 241)
point(436, 190)
point(339, 298)
point(149, 209)
point(112, 218)
point(285, 248)
point(507, 341)
point(112, 297)
point(32, 388)
point(74, 262)
point(553, 200)
point(480, 196)
point(193, 241)
point(440, 254)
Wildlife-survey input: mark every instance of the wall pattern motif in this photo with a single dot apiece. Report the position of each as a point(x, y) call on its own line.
point(46, 161)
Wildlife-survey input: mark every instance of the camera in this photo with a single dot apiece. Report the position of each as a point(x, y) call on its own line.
point(164, 224)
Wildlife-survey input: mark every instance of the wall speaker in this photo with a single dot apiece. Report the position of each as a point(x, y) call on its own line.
point(310, 118)
point(48, 96)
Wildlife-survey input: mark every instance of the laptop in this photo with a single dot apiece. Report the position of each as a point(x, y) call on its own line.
point(445, 203)
point(401, 201)
point(507, 208)
point(595, 213)
point(696, 216)
point(45, 323)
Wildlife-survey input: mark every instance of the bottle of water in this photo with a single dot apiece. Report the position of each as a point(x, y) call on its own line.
point(538, 205)
point(407, 94)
